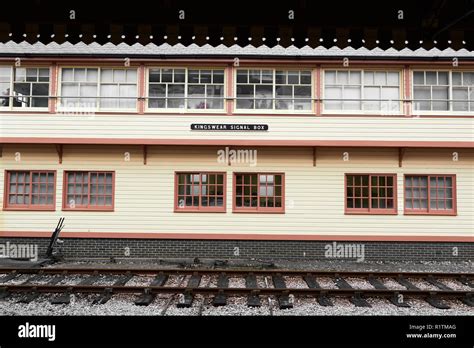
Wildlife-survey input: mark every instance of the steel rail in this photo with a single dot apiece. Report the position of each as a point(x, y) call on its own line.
point(231, 272)
point(123, 289)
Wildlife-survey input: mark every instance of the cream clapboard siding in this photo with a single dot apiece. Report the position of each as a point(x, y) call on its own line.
point(281, 127)
point(314, 195)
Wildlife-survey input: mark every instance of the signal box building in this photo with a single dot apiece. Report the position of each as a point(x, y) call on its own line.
point(237, 152)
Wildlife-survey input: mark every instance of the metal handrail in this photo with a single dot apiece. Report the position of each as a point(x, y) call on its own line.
point(235, 98)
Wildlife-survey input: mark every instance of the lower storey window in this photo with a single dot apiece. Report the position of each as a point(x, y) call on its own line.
point(259, 192)
point(430, 194)
point(371, 193)
point(89, 190)
point(30, 190)
point(200, 192)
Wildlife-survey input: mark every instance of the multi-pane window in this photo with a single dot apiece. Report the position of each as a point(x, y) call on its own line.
point(120, 85)
point(79, 87)
point(30, 87)
point(5, 85)
point(263, 89)
point(83, 88)
point(430, 194)
point(193, 89)
point(371, 193)
point(30, 189)
point(205, 89)
point(200, 192)
point(431, 90)
point(463, 91)
point(166, 88)
point(88, 190)
point(259, 192)
point(357, 90)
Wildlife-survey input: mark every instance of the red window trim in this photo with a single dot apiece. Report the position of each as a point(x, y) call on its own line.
point(30, 207)
point(258, 209)
point(199, 209)
point(440, 212)
point(89, 207)
point(369, 210)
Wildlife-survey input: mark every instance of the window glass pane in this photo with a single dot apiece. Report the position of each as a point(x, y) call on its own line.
point(254, 76)
point(293, 77)
point(419, 77)
point(119, 75)
point(468, 78)
point(456, 78)
point(218, 76)
point(368, 77)
point(80, 75)
point(107, 75)
point(267, 76)
point(40, 89)
point(372, 93)
point(422, 96)
point(206, 76)
point(166, 75)
point(330, 77)
point(442, 78)
point(440, 93)
point(179, 75)
point(302, 91)
point(92, 75)
point(380, 78)
point(431, 78)
point(342, 77)
point(67, 74)
point(333, 93)
point(242, 76)
point(352, 93)
point(154, 75)
point(131, 75)
point(460, 99)
point(393, 78)
point(354, 78)
point(305, 77)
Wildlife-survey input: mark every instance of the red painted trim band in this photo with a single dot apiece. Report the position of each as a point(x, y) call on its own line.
point(238, 142)
point(236, 236)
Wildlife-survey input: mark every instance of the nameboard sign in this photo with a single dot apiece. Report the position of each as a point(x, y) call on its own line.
point(229, 127)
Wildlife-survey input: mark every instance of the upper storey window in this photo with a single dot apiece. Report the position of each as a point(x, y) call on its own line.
point(443, 91)
point(96, 88)
point(24, 87)
point(362, 91)
point(281, 90)
point(191, 89)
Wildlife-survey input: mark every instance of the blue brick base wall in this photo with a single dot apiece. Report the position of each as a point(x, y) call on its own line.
point(245, 249)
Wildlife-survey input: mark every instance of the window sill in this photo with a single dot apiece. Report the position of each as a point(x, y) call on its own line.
point(383, 212)
point(29, 209)
point(186, 210)
point(244, 211)
point(89, 209)
point(447, 213)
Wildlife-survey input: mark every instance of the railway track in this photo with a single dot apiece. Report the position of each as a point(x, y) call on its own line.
point(56, 281)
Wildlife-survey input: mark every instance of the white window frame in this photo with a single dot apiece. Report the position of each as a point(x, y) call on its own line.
point(274, 110)
point(450, 94)
point(62, 108)
point(381, 113)
point(184, 110)
point(10, 107)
